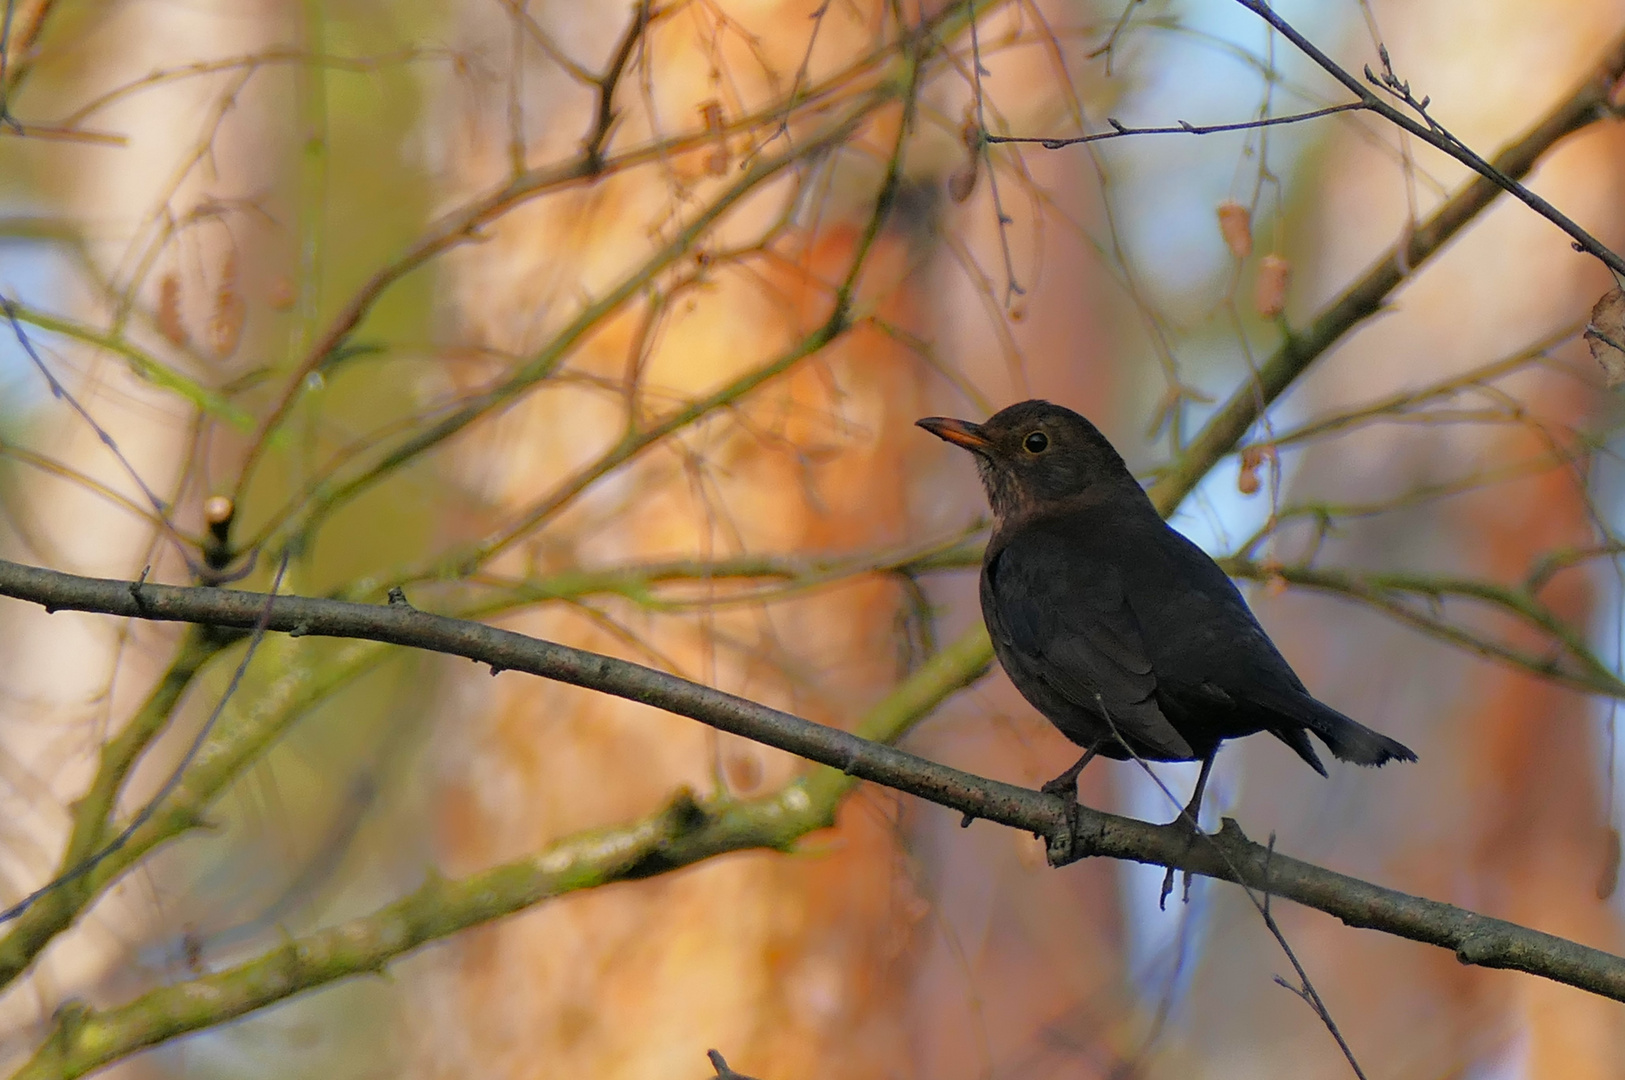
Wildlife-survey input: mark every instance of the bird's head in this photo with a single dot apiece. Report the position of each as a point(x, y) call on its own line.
point(1035, 454)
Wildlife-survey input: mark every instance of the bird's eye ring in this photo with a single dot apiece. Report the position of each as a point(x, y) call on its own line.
point(1036, 442)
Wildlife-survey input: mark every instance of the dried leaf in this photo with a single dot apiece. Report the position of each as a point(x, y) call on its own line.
point(716, 162)
point(970, 131)
point(1247, 478)
point(1269, 292)
point(1606, 336)
point(962, 181)
point(192, 949)
point(226, 328)
point(226, 325)
point(170, 323)
point(230, 311)
point(1236, 226)
point(1252, 457)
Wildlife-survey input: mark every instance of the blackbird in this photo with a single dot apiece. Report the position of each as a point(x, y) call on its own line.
point(1122, 632)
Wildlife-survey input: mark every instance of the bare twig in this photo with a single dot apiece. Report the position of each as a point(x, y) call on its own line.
point(1388, 592)
point(62, 394)
point(56, 910)
point(592, 147)
point(1186, 819)
point(1120, 130)
point(1305, 989)
point(1012, 287)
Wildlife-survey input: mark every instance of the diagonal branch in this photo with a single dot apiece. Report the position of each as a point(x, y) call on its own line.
point(1491, 172)
point(1587, 104)
point(704, 830)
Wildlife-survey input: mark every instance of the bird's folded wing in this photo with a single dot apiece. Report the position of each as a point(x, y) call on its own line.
point(1076, 624)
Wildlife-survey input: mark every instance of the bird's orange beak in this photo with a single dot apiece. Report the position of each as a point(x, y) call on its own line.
point(959, 432)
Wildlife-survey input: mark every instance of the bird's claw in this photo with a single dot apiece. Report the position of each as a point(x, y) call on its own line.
point(1168, 887)
point(1064, 786)
point(1062, 848)
point(1192, 833)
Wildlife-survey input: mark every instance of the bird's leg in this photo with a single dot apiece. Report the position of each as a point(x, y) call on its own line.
point(1066, 786)
point(1189, 815)
point(1067, 783)
point(1188, 819)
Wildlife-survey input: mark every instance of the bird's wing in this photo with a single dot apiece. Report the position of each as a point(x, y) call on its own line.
point(1069, 617)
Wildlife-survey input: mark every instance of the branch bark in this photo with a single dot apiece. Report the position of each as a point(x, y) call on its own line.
point(687, 831)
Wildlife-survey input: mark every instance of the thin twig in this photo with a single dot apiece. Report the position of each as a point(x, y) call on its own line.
point(1012, 287)
point(1181, 127)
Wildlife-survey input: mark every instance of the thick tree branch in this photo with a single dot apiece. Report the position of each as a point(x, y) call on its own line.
point(692, 832)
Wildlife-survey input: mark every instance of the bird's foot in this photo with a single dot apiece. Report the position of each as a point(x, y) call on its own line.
point(1065, 788)
point(1061, 850)
point(1186, 823)
point(1065, 785)
point(1168, 887)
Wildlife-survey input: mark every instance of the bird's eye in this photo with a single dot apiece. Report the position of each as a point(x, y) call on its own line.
point(1035, 443)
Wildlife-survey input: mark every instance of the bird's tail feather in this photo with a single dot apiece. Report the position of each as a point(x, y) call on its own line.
point(1349, 740)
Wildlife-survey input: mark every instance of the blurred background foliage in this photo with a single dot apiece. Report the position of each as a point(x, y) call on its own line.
point(609, 323)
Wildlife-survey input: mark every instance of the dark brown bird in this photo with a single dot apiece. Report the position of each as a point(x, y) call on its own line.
point(1122, 632)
